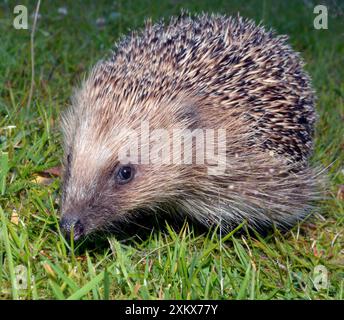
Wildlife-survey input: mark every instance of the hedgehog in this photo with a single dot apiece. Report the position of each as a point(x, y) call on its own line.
point(206, 74)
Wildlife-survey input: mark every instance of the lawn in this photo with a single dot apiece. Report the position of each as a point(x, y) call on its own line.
point(36, 262)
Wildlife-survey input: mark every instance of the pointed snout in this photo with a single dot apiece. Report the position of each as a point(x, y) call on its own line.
point(71, 223)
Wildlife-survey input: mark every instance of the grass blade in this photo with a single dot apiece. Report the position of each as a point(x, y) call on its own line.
point(244, 285)
point(9, 255)
point(4, 169)
point(86, 288)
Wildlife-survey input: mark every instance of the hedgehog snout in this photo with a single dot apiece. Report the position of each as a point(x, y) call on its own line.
point(71, 222)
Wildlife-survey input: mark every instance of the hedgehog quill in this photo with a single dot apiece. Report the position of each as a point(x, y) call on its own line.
point(192, 74)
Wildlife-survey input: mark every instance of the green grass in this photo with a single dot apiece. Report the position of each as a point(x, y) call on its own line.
point(170, 265)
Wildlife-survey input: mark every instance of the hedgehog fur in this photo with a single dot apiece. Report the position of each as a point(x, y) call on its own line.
point(205, 71)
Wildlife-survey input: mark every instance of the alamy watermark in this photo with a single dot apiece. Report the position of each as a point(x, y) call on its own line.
point(320, 277)
point(20, 20)
point(175, 146)
point(21, 277)
point(321, 19)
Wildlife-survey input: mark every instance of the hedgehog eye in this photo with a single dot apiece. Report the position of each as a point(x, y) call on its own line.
point(125, 174)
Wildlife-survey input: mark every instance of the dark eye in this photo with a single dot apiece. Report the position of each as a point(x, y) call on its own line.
point(125, 174)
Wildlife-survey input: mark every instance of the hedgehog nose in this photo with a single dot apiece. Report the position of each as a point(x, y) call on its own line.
point(69, 223)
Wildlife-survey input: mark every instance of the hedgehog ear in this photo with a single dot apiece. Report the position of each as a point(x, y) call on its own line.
point(189, 114)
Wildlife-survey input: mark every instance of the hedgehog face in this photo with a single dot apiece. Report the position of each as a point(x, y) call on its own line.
point(97, 196)
point(99, 188)
point(98, 200)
